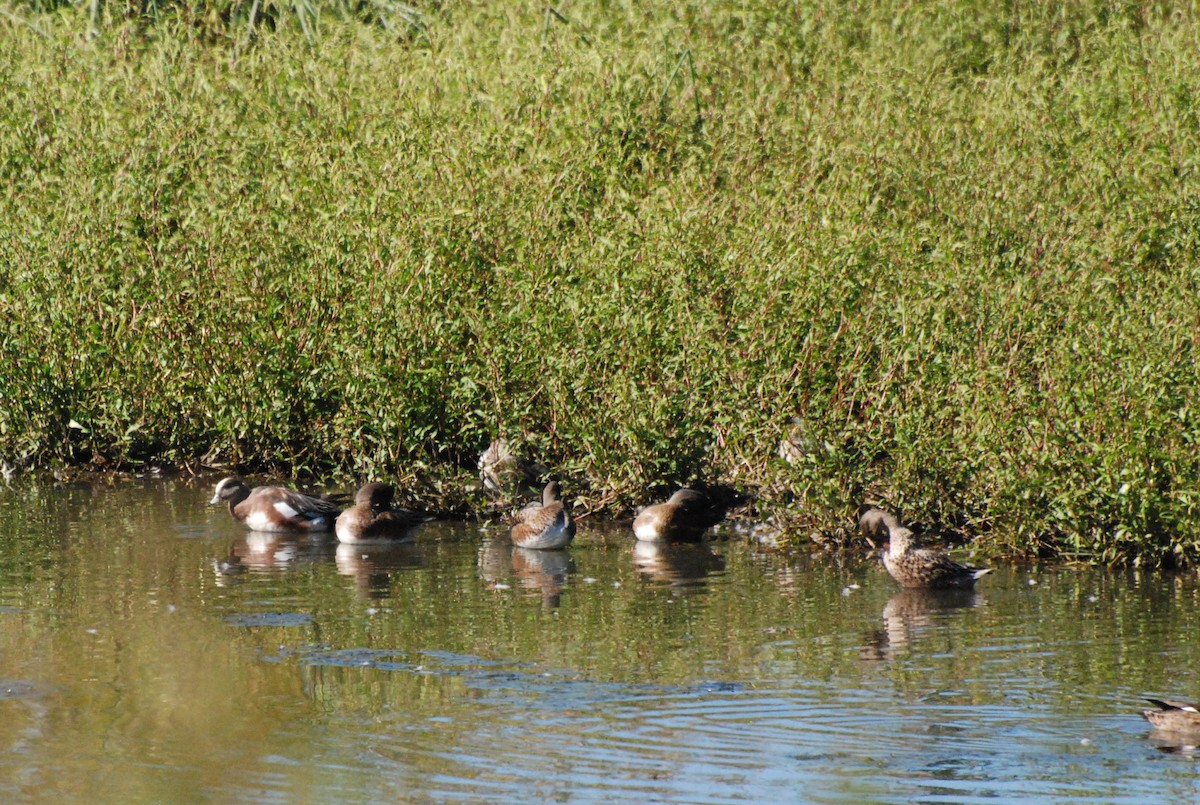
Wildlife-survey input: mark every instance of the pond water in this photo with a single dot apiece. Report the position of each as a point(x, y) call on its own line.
point(151, 650)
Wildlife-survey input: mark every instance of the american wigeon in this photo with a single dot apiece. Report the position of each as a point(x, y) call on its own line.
point(684, 517)
point(1177, 717)
point(372, 518)
point(275, 508)
point(544, 526)
point(503, 472)
point(912, 565)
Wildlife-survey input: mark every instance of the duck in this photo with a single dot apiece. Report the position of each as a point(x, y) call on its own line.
point(545, 526)
point(373, 520)
point(911, 565)
point(502, 472)
point(796, 443)
point(1178, 717)
point(275, 508)
point(684, 517)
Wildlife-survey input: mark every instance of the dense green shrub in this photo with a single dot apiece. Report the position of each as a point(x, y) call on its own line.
point(956, 241)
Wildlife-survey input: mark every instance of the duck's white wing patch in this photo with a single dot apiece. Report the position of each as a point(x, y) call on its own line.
point(286, 509)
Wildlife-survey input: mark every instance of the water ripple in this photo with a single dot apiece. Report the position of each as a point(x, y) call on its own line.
point(268, 619)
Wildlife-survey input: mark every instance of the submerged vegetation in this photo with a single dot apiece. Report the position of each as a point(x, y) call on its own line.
point(948, 249)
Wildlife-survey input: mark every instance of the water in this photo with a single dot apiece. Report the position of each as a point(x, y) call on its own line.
point(153, 651)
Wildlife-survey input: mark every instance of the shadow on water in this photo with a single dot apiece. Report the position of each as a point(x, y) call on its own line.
point(154, 647)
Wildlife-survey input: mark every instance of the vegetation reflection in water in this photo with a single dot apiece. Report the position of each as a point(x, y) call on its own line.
point(154, 651)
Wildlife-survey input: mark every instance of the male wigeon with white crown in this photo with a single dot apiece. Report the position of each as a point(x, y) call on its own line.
point(275, 508)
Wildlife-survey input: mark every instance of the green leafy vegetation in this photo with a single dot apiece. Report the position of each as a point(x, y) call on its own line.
point(956, 242)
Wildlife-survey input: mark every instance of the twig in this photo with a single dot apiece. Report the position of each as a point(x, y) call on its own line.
point(551, 10)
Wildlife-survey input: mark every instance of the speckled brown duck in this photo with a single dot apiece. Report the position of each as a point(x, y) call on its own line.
point(503, 472)
point(684, 517)
point(373, 520)
point(912, 565)
point(545, 526)
point(1177, 717)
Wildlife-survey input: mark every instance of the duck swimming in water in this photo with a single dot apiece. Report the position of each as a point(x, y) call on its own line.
point(275, 508)
point(912, 565)
point(684, 517)
point(1178, 717)
point(372, 518)
point(545, 526)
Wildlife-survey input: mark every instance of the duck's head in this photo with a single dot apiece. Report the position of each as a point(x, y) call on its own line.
point(376, 495)
point(876, 525)
point(689, 497)
point(228, 490)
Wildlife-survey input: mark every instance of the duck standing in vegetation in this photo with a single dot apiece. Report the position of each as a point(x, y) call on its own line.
point(544, 526)
point(684, 517)
point(912, 565)
point(502, 472)
point(373, 520)
point(1177, 717)
point(275, 508)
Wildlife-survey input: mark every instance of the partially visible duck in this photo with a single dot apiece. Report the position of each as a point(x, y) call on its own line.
point(1177, 717)
point(796, 443)
point(546, 526)
point(372, 518)
point(684, 517)
point(503, 472)
point(912, 565)
point(275, 508)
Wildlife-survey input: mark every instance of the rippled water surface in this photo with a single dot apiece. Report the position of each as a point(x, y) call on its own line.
point(153, 651)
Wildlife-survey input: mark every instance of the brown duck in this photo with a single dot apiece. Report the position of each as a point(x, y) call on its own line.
point(502, 472)
point(372, 518)
point(912, 565)
point(275, 508)
point(1178, 717)
point(684, 517)
point(545, 526)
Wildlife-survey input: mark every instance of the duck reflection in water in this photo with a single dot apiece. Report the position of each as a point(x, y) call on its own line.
point(372, 566)
point(912, 612)
point(259, 551)
point(681, 566)
point(544, 571)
